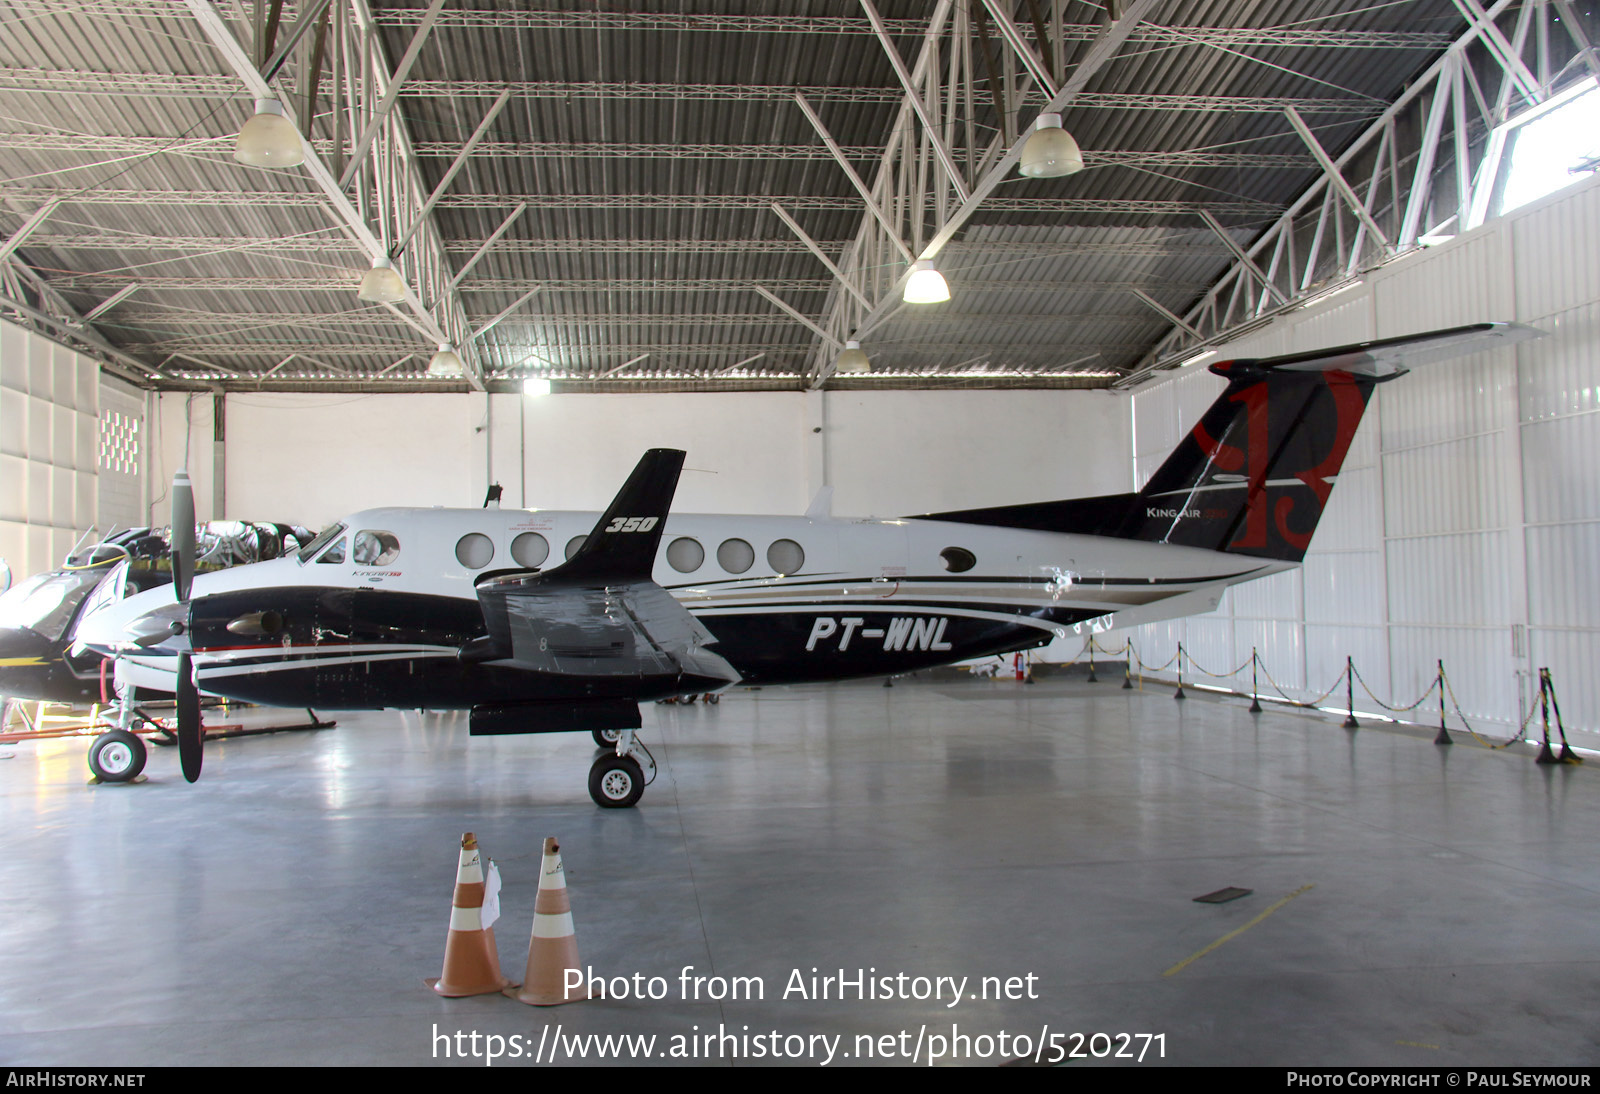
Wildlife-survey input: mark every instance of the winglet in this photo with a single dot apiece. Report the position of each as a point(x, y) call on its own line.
point(623, 545)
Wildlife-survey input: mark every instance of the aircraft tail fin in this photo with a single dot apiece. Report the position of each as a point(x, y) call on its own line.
point(1254, 474)
point(623, 545)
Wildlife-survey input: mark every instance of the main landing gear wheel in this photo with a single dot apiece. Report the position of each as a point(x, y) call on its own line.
point(615, 782)
point(606, 738)
point(116, 756)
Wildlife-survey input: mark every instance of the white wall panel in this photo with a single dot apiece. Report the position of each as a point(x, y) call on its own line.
point(1557, 373)
point(48, 409)
point(1461, 579)
point(1557, 264)
point(1344, 587)
point(1561, 469)
point(1563, 590)
point(1454, 486)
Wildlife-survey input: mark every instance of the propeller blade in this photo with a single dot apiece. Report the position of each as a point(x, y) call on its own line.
point(190, 745)
point(183, 545)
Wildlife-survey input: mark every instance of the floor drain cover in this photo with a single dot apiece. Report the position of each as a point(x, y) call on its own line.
point(1222, 896)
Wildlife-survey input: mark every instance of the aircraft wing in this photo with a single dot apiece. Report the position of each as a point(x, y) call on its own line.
point(632, 629)
point(600, 614)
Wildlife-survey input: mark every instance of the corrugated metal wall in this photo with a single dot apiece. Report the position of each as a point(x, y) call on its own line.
point(49, 411)
point(1466, 522)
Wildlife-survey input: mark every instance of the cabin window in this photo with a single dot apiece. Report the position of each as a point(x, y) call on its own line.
point(474, 550)
point(685, 555)
point(958, 560)
point(736, 556)
point(785, 557)
point(375, 548)
point(573, 544)
point(335, 553)
point(530, 549)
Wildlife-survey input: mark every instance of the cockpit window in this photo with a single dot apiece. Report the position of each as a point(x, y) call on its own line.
point(309, 551)
point(45, 603)
point(334, 554)
point(375, 548)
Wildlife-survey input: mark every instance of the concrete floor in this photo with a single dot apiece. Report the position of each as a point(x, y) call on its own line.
point(287, 908)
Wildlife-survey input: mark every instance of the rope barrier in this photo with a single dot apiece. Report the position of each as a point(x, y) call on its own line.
point(1349, 677)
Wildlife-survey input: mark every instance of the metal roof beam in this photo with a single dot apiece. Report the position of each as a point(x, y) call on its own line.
point(803, 320)
point(20, 236)
point(453, 170)
point(233, 54)
point(380, 113)
point(1336, 180)
point(466, 267)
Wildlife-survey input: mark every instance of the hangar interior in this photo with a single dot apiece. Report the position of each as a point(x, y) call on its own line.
point(654, 209)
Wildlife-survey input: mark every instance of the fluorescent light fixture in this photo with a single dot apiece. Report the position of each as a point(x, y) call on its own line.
point(1197, 358)
point(1050, 152)
point(381, 285)
point(926, 285)
point(853, 360)
point(446, 364)
point(535, 385)
point(269, 139)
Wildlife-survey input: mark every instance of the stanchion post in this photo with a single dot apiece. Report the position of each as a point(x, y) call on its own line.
point(1546, 756)
point(1093, 679)
point(1179, 694)
point(1567, 755)
point(1255, 687)
point(1350, 693)
point(1444, 735)
point(1127, 671)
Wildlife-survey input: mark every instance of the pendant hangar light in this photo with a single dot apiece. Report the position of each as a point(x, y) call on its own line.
point(852, 361)
point(926, 284)
point(446, 364)
point(269, 139)
point(381, 285)
point(1050, 152)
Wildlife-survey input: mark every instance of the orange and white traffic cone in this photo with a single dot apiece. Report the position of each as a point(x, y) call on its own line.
point(471, 962)
point(554, 946)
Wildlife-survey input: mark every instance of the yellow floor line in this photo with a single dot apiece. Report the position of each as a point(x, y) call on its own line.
point(1187, 961)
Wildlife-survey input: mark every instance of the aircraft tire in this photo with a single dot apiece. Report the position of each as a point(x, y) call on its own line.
point(606, 738)
point(616, 782)
point(117, 756)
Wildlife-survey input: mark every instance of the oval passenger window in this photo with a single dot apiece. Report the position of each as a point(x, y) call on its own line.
point(474, 550)
point(530, 549)
point(736, 556)
point(958, 560)
point(685, 555)
point(785, 557)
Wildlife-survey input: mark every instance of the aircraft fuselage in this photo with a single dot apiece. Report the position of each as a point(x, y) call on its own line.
point(377, 616)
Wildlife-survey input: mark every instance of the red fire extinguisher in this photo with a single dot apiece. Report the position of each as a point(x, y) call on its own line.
point(1021, 667)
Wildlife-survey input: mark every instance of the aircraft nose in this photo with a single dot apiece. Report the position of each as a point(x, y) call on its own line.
point(131, 624)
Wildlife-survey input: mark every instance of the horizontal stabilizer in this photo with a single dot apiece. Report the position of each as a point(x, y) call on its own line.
point(1389, 356)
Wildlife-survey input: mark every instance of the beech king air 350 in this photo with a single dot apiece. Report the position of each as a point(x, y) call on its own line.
point(441, 609)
